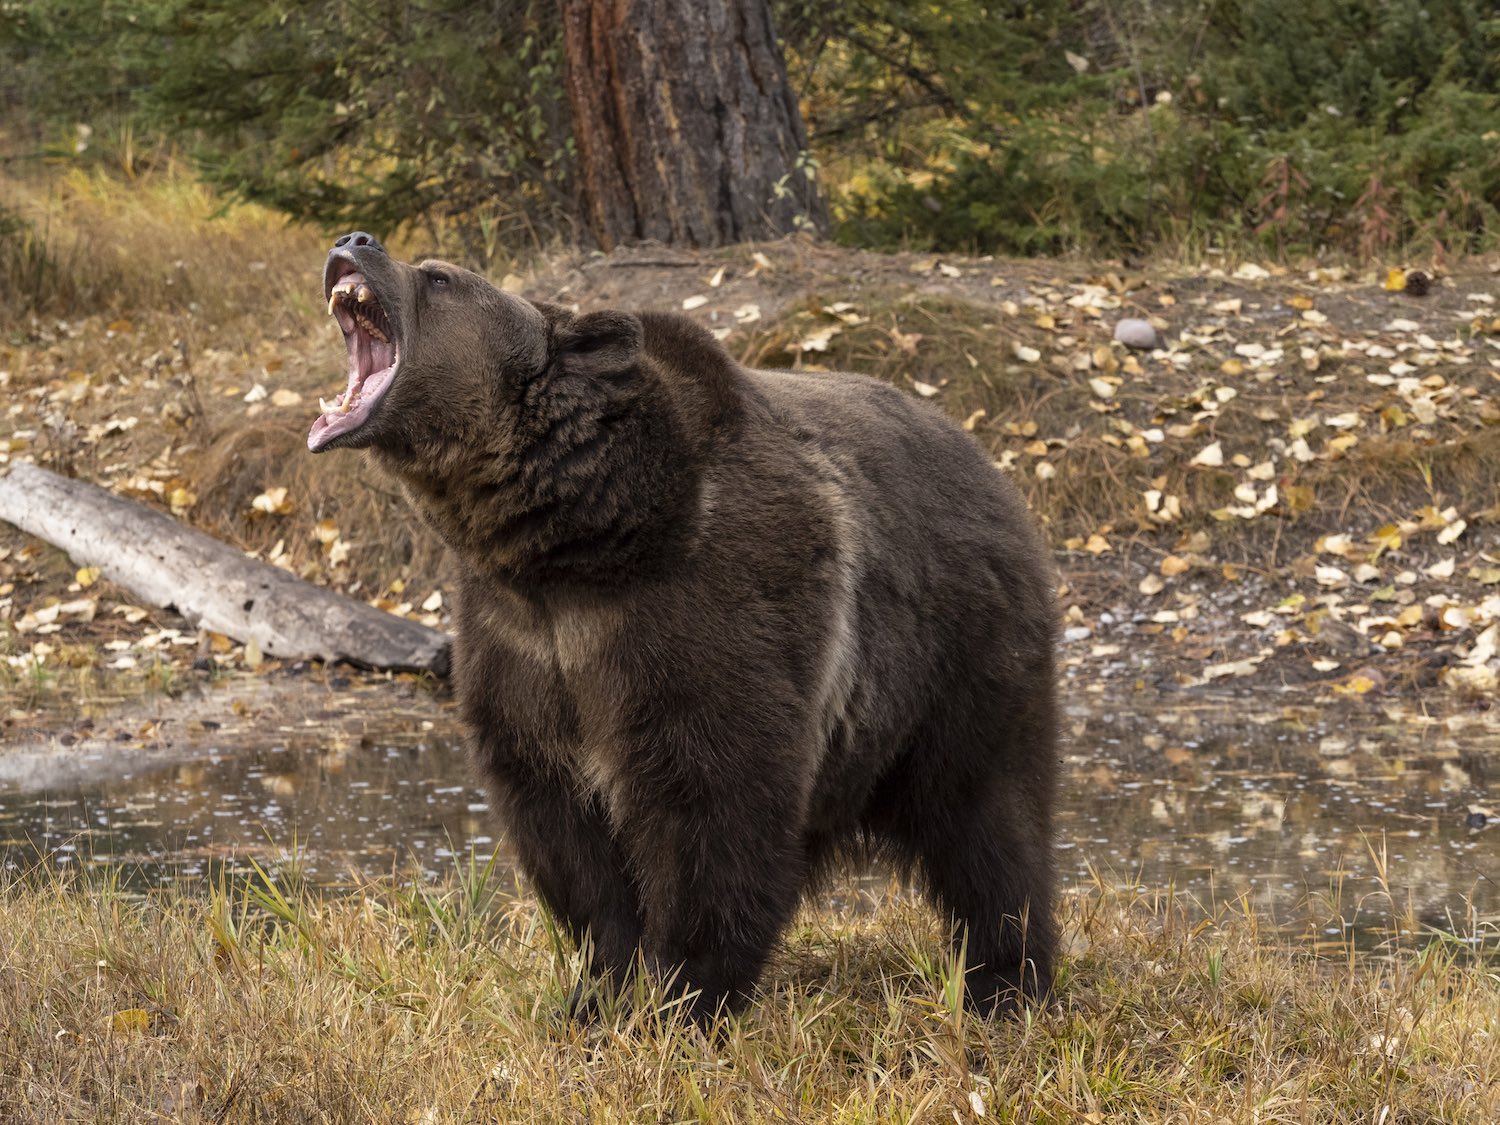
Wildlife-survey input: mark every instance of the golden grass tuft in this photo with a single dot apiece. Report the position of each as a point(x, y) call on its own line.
point(244, 461)
point(409, 1003)
point(159, 241)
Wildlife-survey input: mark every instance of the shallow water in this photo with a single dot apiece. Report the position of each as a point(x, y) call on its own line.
point(1327, 820)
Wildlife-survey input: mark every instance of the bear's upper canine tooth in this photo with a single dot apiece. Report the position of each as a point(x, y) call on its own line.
point(333, 299)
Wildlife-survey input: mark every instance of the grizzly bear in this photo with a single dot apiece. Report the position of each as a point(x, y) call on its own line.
point(718, 628)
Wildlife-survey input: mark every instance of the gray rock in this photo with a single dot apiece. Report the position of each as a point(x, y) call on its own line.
point(1138, 334)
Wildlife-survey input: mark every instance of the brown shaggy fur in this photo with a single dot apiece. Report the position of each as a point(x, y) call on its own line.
point(719, 627)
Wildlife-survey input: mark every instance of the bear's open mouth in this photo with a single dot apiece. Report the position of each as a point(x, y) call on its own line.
point(373, 356)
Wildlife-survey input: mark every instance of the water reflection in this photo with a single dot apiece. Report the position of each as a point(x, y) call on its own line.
point(397, 805)
point(1215, 800)
point(1323, 820)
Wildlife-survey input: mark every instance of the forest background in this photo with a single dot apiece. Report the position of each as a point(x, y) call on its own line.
point(1109, 127)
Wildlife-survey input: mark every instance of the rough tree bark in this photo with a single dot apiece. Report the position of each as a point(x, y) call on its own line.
point(210, 583)
point(687, 130)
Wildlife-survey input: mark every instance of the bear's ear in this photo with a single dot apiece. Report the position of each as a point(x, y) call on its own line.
point(597, 344)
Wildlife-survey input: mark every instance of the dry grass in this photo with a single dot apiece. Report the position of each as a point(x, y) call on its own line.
point(160, 242)
point(246, 460)
point(409, 1003)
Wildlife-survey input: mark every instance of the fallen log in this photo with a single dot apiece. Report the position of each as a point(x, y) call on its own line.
point(213, 585)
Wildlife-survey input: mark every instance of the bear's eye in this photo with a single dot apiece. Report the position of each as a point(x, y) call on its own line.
point(439, 278)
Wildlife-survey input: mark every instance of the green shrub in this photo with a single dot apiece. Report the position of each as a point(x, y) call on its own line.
point(1353, 125)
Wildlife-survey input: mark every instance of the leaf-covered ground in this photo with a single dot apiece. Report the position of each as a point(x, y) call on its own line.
point(1295, 490)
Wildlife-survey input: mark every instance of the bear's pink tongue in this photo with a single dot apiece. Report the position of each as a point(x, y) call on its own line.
point(373, 356)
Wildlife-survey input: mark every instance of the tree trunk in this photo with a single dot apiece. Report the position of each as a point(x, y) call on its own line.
point(210, 583)
point(687, 129)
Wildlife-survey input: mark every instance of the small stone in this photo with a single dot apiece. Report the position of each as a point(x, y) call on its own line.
point(1476, 820)
point(1138, 334)
point(1418, 284)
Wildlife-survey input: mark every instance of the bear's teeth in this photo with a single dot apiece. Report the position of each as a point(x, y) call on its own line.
point(333, 299)
point(363, 296)
point(327, 407)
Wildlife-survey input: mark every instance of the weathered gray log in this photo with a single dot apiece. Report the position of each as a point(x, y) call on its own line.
point(213, 585)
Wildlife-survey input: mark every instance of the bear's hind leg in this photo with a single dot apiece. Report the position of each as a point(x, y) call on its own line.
point(976, 816)
point(998, 891)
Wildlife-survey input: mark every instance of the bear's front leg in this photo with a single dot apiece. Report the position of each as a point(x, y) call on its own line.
point(565, 848)
point(713, 837)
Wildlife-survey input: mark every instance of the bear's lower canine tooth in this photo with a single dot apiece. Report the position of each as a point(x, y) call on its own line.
point(327, 407)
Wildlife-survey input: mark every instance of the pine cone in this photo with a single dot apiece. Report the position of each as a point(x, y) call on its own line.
point(1417, 283)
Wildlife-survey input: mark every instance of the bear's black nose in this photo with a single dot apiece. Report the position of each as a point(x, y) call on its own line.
point(359, 238)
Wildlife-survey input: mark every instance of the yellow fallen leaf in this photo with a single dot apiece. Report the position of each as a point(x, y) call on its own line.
point(129, 1020)
point(1298, 497)
point(1173, 565)
point(1388, 538)
point(1452, 617)
point(1211, 456)
point(1395, 280)
point(1443, 568)
point(817, 340)
point(119, 326)
point(273, 501)
point(1300, 302)
point(87, 576)
point(1452, 532)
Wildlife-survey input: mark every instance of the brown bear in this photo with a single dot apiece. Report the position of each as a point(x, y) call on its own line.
point(717, 627)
